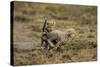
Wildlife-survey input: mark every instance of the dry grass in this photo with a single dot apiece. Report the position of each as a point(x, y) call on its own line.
point(28, 21)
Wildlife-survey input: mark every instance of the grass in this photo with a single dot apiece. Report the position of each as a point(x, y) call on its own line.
point(28, 22)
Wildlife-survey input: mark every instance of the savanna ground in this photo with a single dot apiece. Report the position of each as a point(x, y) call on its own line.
point(28, 22)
